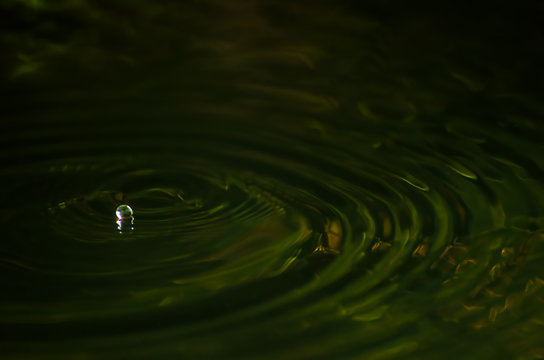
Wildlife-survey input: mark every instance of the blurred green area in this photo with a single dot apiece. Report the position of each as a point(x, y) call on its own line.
point(392, 56)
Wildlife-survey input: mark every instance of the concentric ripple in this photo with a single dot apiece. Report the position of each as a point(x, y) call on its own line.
point(292, 198)
point(257, 230)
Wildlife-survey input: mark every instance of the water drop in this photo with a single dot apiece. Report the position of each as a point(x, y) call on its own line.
point(124, 212)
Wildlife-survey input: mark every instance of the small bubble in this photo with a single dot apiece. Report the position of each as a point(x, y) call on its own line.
point(124, 212)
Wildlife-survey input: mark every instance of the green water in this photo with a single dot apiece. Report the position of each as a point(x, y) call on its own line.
point(308, 180)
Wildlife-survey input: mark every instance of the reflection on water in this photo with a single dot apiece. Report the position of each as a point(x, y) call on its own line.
point(332, 240)
point(310, 180)
point(125, 224)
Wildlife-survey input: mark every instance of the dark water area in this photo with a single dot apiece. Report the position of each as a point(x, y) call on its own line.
point(308, 180)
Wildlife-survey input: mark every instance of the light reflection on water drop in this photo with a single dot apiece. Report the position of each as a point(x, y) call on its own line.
point(125, 219)
point(124, 212)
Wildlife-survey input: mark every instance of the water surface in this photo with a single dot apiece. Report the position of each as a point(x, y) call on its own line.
point(309, 180)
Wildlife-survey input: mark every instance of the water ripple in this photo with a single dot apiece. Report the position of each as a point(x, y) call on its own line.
point(289, 200)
